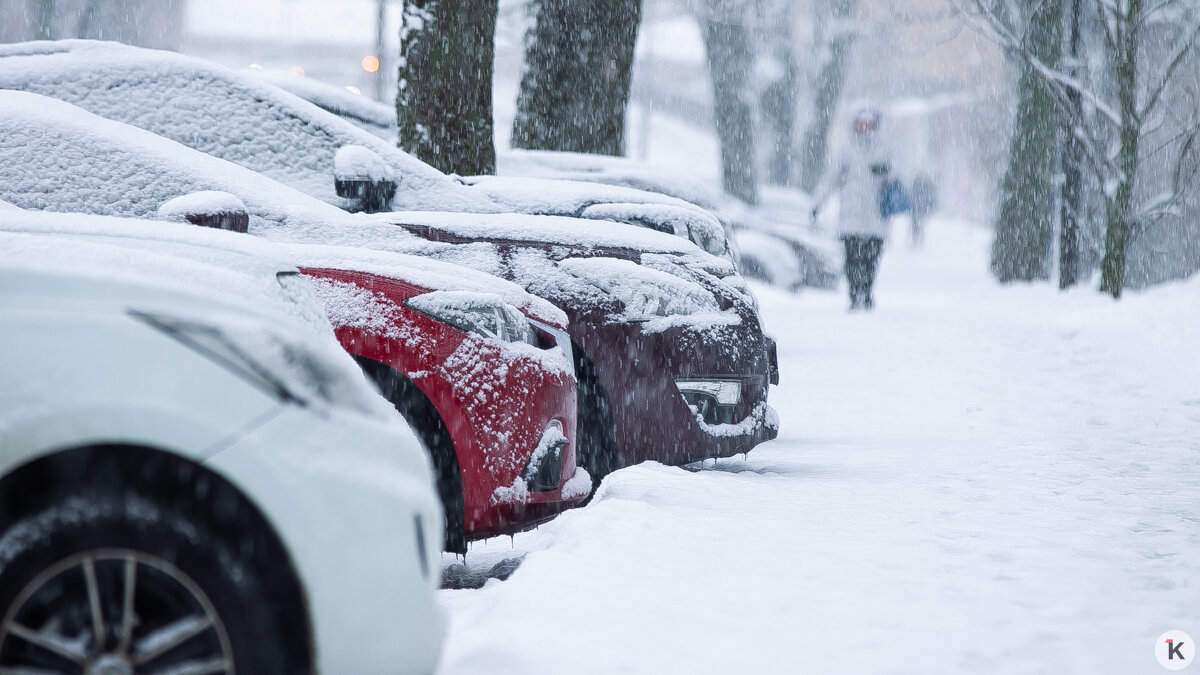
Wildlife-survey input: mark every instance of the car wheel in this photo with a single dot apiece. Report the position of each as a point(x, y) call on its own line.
point(120, 583)
point(595, 439)
point(425, 421)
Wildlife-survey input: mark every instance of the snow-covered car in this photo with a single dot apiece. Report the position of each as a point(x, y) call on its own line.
point(480, 368)
point(670, 356)
point(245, 120)
point(193, 476)
point(770, 242)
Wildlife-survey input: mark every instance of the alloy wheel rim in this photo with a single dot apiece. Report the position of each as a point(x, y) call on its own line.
point(114, 612)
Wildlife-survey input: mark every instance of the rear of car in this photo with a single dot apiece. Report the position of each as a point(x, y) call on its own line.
point(189, 484)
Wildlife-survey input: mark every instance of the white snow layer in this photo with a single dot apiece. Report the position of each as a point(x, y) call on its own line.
point(422, 272)
point(970, 479)
point(219, 111)
point(230, 268)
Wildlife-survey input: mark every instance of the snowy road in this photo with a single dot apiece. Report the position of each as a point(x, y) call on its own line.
point(971, 479)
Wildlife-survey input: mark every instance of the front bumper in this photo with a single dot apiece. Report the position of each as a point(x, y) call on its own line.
point(353, 502)
point(641, 371)
point(497, 405)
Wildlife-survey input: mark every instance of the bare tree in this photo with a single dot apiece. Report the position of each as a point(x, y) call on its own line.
point(1024, 222)
point(576, 78)
point(1130, 111)
point(444, 98)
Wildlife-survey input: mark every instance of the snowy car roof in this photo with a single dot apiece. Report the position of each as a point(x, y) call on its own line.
point(56, 157)
point(425, 272)
point(248, 121)
point(220, 111)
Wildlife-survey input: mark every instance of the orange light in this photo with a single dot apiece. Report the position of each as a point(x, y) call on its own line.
point(370, 63)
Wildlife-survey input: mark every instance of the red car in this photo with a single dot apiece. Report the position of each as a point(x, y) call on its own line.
point(490, 390)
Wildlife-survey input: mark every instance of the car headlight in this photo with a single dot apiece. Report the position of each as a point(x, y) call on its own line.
point(476, 313)
point(646, 293)
point(284, 368)
point(712, 400)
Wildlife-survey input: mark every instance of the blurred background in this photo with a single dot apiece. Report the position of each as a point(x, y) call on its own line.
point(947, 91)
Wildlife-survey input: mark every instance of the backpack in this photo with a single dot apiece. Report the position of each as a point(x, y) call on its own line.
point(893, 198)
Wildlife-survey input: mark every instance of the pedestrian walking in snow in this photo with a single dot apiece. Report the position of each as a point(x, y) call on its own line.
point(861, 176)
point(924, 202)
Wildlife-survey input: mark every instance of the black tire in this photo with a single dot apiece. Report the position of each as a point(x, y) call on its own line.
point(595, 439)
point(186, 568)
point(425, 421)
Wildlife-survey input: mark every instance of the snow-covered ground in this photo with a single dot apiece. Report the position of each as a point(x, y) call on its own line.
point(973, 478)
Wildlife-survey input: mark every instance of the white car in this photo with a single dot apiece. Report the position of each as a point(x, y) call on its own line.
point(190, 485)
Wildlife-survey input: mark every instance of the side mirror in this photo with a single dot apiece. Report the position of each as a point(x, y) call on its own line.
point(361, 175)
point(208, 208)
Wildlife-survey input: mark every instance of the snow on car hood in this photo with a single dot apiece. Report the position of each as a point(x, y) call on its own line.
point(230, 268)
point(546, 230)
point(219, 111)
point(240, 284)
point(425, 273)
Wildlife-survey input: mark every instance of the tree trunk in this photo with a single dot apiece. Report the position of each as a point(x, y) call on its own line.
point(1120, 201)
point(777, 101)
point(833, 43)
point(1072, 191)
point(730, 55)
point(444, 98)
point(1025, 220)
point(578, 68)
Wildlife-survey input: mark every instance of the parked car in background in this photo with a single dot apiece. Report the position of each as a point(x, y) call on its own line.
point(193, 476)
point(652, 317)
point(242, 119)
point(772, 242)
